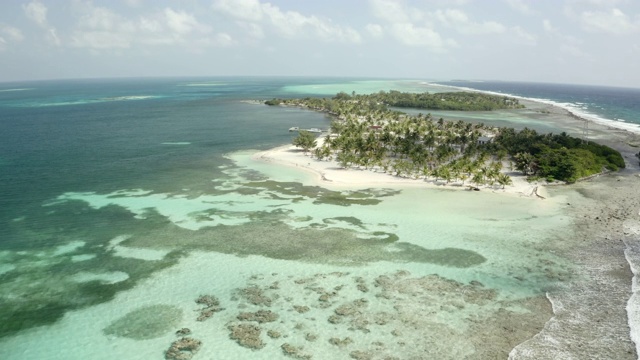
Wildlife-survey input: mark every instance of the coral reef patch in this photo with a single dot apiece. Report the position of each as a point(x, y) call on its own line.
point(183, 349)
point(146, 323)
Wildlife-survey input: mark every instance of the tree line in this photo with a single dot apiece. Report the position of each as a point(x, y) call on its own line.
point(367, 134)
point(458, 100)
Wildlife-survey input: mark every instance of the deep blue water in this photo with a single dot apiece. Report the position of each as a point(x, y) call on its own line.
point(613, 103)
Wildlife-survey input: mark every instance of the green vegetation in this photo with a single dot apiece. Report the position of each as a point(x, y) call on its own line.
point(414, 146)
point(305, 140)
point(464, 101)
point(367, 134)
point(556, 157)
point(344, 103)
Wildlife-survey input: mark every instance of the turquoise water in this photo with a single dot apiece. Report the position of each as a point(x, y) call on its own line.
point(361, 87)
point(60, 137)
point(122, 201)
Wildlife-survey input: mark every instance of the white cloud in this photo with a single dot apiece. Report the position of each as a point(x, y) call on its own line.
point(520, 6)
point(223, 39)
point(252, 29)
point(217, 40)
point(149, 25)
point(8, 35)
point(409, 26)
point(102, 19)
point(374, 30)
point(412, 35)
point(611, 22)
point(101, 28)
point(524, 37)
point(566, 44)
point(289, 24)
point(459, 21)
point(101, 40)
point(12, 33)
point(596, 2)
point(183, 23)
point(249, 10)
point(546, 24)
point(415, 27)
point(393, 11)
point(36, 12)
point(575, 51)
point(133, 3)
point(52, 37)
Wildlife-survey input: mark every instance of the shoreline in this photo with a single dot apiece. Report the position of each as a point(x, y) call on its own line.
point(328, 173)
point(580, 325)
point(602, 260)
point(407, 269)
point(592, 316)
point(570, 109)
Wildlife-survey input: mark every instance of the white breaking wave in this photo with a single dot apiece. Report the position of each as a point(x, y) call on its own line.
point(204, 84)
point(573, 108)
point(89, 101)
point(176, 143)
point(632, 254)
point(131, 97)
point(12, 90)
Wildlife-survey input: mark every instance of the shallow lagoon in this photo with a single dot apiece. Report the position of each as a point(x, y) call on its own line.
point(136, 236)
point(265, 228)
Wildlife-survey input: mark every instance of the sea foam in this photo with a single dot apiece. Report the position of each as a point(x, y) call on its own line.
point(13, 90)
point(577, 109)
point(632, 254)
point(84, 101)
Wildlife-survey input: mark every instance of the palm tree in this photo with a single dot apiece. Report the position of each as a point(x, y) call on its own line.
point(445, 173)
point(344, 159)
point(484, 171)
point(504, 179)
point(478, 179)
point(436, 173)
point(463, 177)
point(305, 140)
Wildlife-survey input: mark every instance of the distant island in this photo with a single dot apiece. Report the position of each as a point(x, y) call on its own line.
point(457, 100)
point(366, 133)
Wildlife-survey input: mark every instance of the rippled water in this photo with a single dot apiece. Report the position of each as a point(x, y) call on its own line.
point(124, 201)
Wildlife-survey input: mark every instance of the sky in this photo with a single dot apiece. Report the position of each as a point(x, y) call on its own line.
point(560, 41)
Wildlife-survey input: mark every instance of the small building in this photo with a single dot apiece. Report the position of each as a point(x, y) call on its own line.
point(482, 140)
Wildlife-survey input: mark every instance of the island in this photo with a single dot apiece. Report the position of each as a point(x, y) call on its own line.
point(368, 133)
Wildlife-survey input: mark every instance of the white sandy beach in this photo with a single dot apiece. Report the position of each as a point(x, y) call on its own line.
point(328, 173)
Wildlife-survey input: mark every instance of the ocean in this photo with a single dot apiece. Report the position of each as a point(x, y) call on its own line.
point(614, 106)
point(122, 201)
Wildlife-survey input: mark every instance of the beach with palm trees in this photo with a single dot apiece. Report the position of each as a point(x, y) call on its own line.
point(367, 134)
point(598, 236)
point(331, 174)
